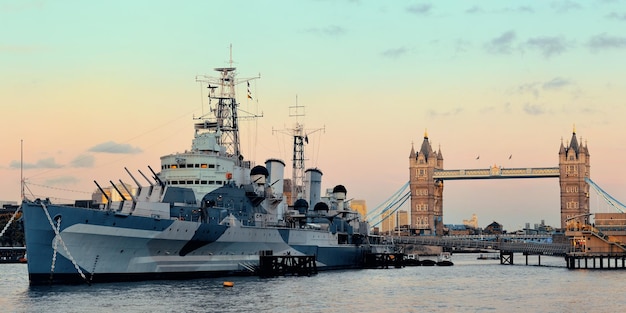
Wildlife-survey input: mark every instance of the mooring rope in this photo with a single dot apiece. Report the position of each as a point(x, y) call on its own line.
point(10, 221)
point(58, 237)
point(55, 248)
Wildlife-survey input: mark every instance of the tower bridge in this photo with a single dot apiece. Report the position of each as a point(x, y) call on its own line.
point(427, 176)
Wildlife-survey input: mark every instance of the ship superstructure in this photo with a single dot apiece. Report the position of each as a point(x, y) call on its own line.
point(215, 157)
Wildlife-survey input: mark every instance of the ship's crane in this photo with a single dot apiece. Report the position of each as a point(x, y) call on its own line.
point(607, 197)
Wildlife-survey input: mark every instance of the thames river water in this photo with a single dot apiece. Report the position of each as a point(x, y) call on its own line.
point(470, 285)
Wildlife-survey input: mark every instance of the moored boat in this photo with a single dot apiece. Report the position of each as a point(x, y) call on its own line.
point(208, 212)
point(488, 257)
point(444, 259)
point(412, 260)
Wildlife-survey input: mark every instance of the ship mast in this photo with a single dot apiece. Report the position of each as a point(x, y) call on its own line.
point(225, 119)
point(300, 138)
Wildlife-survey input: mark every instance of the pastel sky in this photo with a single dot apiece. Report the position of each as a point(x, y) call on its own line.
point(91, 87)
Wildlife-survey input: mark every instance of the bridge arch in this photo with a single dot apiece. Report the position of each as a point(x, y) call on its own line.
point(427, 176)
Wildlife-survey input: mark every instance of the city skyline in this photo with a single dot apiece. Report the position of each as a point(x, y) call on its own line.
point(91, 88)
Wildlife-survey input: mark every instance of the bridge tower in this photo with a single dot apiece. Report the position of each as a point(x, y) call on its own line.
point(426, 192)
point(574, 166)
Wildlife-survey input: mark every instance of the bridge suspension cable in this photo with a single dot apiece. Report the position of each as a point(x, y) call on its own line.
point(607, 197)
point(385, 203)
point(393, 208)
point(390, 206)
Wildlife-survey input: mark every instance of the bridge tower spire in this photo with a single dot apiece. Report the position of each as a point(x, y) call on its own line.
point(426, 192)
point(574, 165)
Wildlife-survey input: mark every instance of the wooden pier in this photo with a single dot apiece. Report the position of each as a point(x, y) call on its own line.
point(597, 246)
point(595, 261)
point(284, 265)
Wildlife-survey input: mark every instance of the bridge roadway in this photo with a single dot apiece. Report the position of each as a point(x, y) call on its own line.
point(504, 244)
point(497, 172)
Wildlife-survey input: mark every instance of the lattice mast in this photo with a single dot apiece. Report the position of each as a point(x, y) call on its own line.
point(300, 138)
point(222, 118)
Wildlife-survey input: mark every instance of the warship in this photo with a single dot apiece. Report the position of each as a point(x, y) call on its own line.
point(207, 212)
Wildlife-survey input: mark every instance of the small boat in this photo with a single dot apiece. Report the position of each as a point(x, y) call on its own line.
point(488, 257)
point(428, 262)
point(12, 255)
point(444, 259)
point(412, 260)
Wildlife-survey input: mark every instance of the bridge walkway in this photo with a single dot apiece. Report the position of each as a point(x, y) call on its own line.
point(554, 249)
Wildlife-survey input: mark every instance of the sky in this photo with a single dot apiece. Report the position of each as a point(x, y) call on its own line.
point(90, 87)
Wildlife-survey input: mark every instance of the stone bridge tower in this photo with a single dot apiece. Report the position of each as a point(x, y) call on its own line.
point(426, 192)
point(574, 167)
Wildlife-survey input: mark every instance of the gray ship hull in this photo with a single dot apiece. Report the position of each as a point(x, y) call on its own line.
point(106, 247)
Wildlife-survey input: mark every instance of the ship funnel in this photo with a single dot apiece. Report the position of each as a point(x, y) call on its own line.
point(313, 185)
point(276, 170)
point(258, 175)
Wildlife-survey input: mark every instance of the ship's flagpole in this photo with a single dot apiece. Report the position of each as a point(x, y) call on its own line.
point(22, 170)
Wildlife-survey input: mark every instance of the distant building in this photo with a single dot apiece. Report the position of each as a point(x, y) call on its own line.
point(426, 192)
point(112, 194)
point(494, 228)
point(7, 203)
point(574, 167)
point(391, 221)
point(459, 230)
point(359, 206)
point(287, 187)
point(473, 222)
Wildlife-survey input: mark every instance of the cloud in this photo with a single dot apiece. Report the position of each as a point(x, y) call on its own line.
point(617, 16)
point(502, 44)
point(395, 52)
point(548, 46)
point(556, 83)
point(112, 147)
point(63, 180)
point(521, 9)
point(605, 42)
point(533, 109)
point(85, 160)
point(461, 45)
point(529, 88)
point(332, 30)
point(456, 111)
point(43, 163)
point(474, 10)
point(565, 6)
point(420, 9)
point(535, 88)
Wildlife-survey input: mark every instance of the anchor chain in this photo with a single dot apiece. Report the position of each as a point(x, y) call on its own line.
point(93, 270)
point(58, 236)
point(10, 221)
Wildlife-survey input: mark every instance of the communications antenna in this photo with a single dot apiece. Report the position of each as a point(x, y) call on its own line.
point(300, 138)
